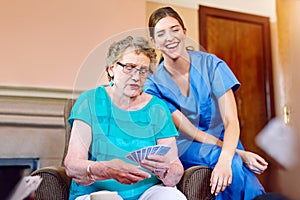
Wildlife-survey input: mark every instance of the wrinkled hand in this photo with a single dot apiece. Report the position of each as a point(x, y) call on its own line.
point(156, 164)
point(254, 162)
point(124, 172)
point(221, 177)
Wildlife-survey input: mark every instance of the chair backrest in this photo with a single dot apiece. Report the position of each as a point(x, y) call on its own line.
point(67, 110)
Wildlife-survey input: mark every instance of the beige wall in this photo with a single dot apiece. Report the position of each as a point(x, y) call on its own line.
point(44, 43)
point(289, 48)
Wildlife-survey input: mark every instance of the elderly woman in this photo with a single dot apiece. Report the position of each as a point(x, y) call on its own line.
point(110, 121)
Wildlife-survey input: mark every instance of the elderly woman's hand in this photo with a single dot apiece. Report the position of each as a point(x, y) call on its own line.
point(124, 172)
point(168, 168)
point(158, 165)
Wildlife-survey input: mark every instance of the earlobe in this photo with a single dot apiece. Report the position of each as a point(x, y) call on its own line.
point(110, 71)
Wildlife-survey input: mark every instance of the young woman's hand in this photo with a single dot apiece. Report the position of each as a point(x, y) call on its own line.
point(253, 161)
point(221, 176)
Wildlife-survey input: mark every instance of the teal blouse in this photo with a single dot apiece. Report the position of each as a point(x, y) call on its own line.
point(116, 132)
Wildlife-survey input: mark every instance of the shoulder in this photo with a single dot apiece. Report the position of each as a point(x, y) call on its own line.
point(86, 94)
point(91, 94)
point(205, 61)
point(159, 70)
point(156, 78)
point(203, 56)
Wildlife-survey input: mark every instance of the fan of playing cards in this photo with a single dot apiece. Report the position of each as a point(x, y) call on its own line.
point(139, 155)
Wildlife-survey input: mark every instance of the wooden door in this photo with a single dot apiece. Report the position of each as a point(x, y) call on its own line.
point(243, 42)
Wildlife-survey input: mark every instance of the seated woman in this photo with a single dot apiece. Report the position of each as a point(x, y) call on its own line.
point(198, 88)
point(110, 122)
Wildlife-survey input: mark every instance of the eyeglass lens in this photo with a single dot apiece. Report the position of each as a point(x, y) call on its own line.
point(131, 69)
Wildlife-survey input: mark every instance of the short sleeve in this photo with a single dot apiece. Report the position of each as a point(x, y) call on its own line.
point(223, 79)
point(150, 87)
point(81, 109)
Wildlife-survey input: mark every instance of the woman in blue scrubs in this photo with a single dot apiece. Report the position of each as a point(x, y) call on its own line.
point(198, 88)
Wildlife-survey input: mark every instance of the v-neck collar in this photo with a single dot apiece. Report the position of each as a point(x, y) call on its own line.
point(173, 84)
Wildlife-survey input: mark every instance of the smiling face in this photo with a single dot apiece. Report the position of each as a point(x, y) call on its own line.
point(169, 37)
point(130, 85)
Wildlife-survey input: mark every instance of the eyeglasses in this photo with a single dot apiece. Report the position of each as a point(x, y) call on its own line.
point(131, 69)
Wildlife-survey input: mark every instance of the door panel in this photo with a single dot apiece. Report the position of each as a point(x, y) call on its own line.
point(243, 42)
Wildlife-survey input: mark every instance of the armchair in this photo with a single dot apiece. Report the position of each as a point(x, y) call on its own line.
point(55, 184)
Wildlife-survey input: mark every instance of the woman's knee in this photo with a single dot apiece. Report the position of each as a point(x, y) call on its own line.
point(162, 192)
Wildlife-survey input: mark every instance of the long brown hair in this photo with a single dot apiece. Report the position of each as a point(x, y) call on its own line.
point(162, 13)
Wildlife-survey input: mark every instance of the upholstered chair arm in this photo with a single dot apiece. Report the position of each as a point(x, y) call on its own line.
point(55, 183)
point(195, 183)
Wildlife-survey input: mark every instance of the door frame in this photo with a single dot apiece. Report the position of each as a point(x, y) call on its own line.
point(205, 12)
point(263, 22)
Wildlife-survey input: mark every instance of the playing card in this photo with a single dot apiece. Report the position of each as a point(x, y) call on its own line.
point(144, 153)
point(148, 151)
point(141, 154)
point(135, 157)
point(130, 158)
point(154, 149)
point(163, 150)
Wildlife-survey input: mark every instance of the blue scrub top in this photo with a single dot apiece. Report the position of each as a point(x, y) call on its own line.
point(210, 78)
